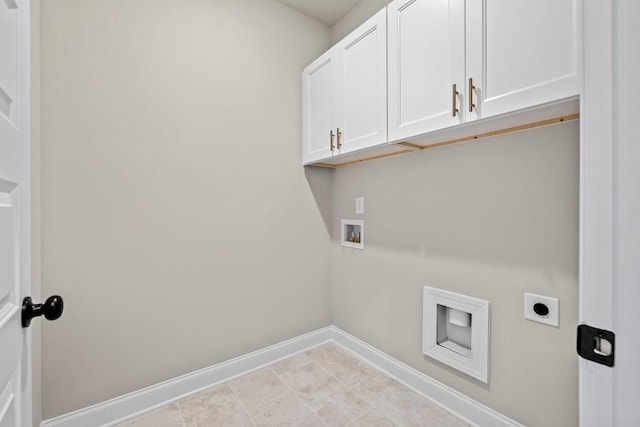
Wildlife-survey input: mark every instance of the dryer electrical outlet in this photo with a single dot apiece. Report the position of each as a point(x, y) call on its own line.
point(542, 309)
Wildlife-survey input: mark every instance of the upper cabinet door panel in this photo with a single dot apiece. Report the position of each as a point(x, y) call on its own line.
point(521, 53)
point(318, 101)
point(362, 85)
point(425, 58)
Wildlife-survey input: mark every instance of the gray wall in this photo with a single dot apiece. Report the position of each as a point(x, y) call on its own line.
point(178, 223)
point(362, 11)
point(491, 219)
point(182, 231)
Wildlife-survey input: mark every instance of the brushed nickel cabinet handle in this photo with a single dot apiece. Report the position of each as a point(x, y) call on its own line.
point(331, 136)
point(454, 96)
point(339, 136)
point(471, 88)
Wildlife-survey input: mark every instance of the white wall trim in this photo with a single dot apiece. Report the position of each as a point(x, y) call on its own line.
point(138, 402)
point(457, 403)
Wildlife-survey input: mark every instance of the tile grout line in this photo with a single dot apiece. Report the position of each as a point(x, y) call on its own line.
point(228, 380)
point(351, 388)
point(384, 373)
point(235, 396)
point(278, 396)
point(273, 399)
point(335, 357)
point(184, 423)
point(357, 418)
point(365, 362)
point(296, 394)
point(374, 408)
point(373, 405)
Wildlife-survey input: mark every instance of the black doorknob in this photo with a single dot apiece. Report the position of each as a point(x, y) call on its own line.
point(52, 309)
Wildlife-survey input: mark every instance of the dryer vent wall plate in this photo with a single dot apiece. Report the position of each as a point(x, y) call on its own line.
point(455, 331)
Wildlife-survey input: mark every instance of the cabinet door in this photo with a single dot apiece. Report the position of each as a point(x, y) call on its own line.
point(362, 85)
point(521, 53)
point(426, 57)
point(318, 99)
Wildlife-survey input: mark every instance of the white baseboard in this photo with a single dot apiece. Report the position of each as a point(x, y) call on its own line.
point(457, 403)
point(138, 402)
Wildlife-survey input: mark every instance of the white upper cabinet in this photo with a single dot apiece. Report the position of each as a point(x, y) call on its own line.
point(318, 116)
point(520, 53)
point(421, 66)
point(361, 80)
point(345, 94)
point(426, 58)
point(502, 55)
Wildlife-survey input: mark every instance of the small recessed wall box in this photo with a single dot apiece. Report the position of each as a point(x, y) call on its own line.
point(455, 331)
point(352, 235)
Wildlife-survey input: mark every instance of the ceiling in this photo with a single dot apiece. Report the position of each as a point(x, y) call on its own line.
point(327, 11)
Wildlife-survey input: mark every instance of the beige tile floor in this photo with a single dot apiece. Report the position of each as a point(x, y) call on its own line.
point(325, 386)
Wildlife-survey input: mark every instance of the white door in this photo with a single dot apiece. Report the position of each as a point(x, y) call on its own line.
point(362, 86)
point(521, 53)
point(610, 209)
point(426, 58)
point(318, 117)
point(15, 372)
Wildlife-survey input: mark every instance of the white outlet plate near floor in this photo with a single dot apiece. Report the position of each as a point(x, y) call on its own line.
point(552, 318)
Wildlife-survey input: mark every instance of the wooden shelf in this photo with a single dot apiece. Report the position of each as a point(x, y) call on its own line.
point(544, 115)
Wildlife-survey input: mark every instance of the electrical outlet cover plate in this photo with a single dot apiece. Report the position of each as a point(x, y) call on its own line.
point(552, 318)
